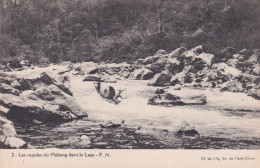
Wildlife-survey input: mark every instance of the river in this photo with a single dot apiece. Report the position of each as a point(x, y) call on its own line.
point(227, 121)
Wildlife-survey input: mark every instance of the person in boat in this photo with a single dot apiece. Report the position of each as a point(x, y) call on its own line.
point(109, 92)
point(118, 95)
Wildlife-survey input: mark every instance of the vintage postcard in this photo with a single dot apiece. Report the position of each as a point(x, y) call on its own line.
point(129, 83)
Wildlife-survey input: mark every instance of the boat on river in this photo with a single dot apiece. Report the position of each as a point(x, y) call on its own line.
point(107, 93)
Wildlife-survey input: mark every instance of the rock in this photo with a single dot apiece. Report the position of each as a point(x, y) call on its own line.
point(92, 78)
point(168, 99)
point(161, 79)
point(13, 142)
point(15, 84)
point(255, 58)
point(234, 62)
point(158, 66)
point(160, 52)
point(4, 88)
point(174, 66)
point(244, 52)
point(46, 103)
point(7, 135)
point(177, 79)
point(64, 100)
point(6, 79)
point(37, 80)
point(158, 57)
point(125, 74)
point(227, 70)
point(197, 50)
point(84, 68)
point(44, 94)
point(189, 78)
point(142, 74)
point(6, 128)
point(197, 61)
point(188, 130)
point(159, 91)
point(228, 52)
point(60, 112)
point(112, 125)
point(84, 140)
point(232, 86)
point(188, 57)
point(25, 63)
point(21, 105)
point(3, 110)
point(248, 81)
point(147, 60)
point(177, 52)
point(255, 70)
point(206, 58)
point(195, 100)
point(255, 93)
point(15, 64)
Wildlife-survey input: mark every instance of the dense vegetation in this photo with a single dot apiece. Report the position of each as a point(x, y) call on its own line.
point(122, 30)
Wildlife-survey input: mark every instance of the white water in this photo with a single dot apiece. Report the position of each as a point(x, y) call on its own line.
point(209, 120)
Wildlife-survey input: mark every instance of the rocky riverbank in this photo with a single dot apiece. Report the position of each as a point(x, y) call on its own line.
point(36, 95)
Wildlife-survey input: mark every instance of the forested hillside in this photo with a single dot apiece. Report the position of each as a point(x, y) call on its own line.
point(122, 30)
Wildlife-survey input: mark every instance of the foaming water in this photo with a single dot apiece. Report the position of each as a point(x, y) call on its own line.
point(210, 120)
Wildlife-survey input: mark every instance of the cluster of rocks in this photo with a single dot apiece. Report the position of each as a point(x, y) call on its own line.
point(109, 73)
point(38, 96)
point(170, 99)
point(229, 71)
point(16, 65)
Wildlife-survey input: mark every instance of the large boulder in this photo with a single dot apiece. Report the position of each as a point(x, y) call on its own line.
point(174, 66)
point(227, 53)
point(255, 58)
point(157, 57)
point(206, 58)
point(255, 70)
point(177, 52)
point(232, 86)
point(187, 130)
point(161, 79)
point(8, 135)
point(245, 53)
point(226, 70)
point(197, 59)
point(4, 88)
point(42, 79)
point(254, 92)
point(169, 99)
point(177, 79)
point(234, 62)
point(198, 49)
point(249, 81)
point(141, 74)
point(188, 57)
point(158, 66)
point(46, 103)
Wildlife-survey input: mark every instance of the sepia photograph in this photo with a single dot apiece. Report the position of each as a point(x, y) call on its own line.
point(130, 74)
